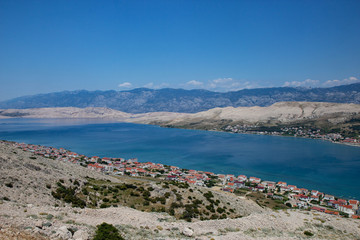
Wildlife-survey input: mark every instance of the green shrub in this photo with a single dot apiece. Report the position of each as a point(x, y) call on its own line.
point(68, 196)
point(308, 233)
point(208, 195)
point(103, 205)
point(106, 231)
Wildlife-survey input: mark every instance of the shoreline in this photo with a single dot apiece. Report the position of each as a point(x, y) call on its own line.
point(273, 177)
point(110, 120)
point(46, 151)
point(263, 134)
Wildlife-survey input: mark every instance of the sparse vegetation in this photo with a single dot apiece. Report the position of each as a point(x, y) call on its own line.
point(68, 195)
point(107, 231)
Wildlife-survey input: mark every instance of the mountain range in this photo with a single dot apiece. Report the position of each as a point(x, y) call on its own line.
point(143, 100)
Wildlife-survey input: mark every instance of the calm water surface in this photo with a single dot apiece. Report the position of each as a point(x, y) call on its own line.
point(313, 164)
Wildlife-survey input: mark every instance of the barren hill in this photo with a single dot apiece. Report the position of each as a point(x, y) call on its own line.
point(283, 112)
point(29, 211)
point(329, 117)
point(278, 112)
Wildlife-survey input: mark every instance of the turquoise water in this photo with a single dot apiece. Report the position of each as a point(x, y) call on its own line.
point(313, 164)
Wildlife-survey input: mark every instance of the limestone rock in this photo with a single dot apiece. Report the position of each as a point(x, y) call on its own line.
point(188, 232)
point(63, 233)
point(81, 235)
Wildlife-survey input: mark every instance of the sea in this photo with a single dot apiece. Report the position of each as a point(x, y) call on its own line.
point(313, 164)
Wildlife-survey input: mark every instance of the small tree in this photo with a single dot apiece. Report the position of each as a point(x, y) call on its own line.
point(107, 232)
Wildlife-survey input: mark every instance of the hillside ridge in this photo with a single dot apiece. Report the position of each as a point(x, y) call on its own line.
point(143, 100)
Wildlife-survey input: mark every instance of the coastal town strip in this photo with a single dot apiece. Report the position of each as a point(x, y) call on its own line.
point(291, 195)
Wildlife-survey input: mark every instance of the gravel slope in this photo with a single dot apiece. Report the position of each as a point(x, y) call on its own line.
point(29, 211)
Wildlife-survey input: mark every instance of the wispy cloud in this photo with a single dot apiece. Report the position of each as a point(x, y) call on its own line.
point(125, 85)
point(156, 86)
point(306, 83)
point(149, 85)
point(219, 84)
point(194, 83)
point(317, 83)
point(333, 83)
point(229, 84)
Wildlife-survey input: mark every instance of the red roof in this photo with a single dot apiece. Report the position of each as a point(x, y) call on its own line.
point(353, 202)
point(331, 212)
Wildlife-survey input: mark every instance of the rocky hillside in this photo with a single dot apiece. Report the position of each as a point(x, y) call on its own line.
point(30, 208)
point(144, 100)
point(330, 117)
point(283, 112)
point(92, 113)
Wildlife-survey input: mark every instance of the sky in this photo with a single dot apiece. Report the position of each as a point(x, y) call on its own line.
point(50, 46)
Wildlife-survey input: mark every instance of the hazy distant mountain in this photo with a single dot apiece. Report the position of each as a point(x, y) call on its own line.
point(143, 100)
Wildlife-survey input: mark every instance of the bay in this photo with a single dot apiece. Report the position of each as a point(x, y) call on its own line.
point(313, 164)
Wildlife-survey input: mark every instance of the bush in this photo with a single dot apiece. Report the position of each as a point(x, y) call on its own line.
point(9, 185)
point(68, 196)
point(308, 233)
point(208, 195)
point(107, 232)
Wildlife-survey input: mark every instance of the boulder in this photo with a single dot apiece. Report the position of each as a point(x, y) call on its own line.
point(188, 232)
point(81, 235)
point(63, 233)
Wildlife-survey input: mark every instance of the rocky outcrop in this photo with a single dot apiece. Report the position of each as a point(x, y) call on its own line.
point(283, 112)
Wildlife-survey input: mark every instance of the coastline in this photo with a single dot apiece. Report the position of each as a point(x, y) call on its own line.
point(172, 173)
point(265, 134)
point(298, 179)
point(110, 120)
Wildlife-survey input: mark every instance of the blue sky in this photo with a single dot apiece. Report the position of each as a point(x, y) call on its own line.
point(48, 46)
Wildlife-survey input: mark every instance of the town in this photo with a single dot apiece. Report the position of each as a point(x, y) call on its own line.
point(299, 131)
point(292, 196)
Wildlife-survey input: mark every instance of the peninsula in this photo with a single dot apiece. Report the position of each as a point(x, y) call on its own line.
point(329, 121)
